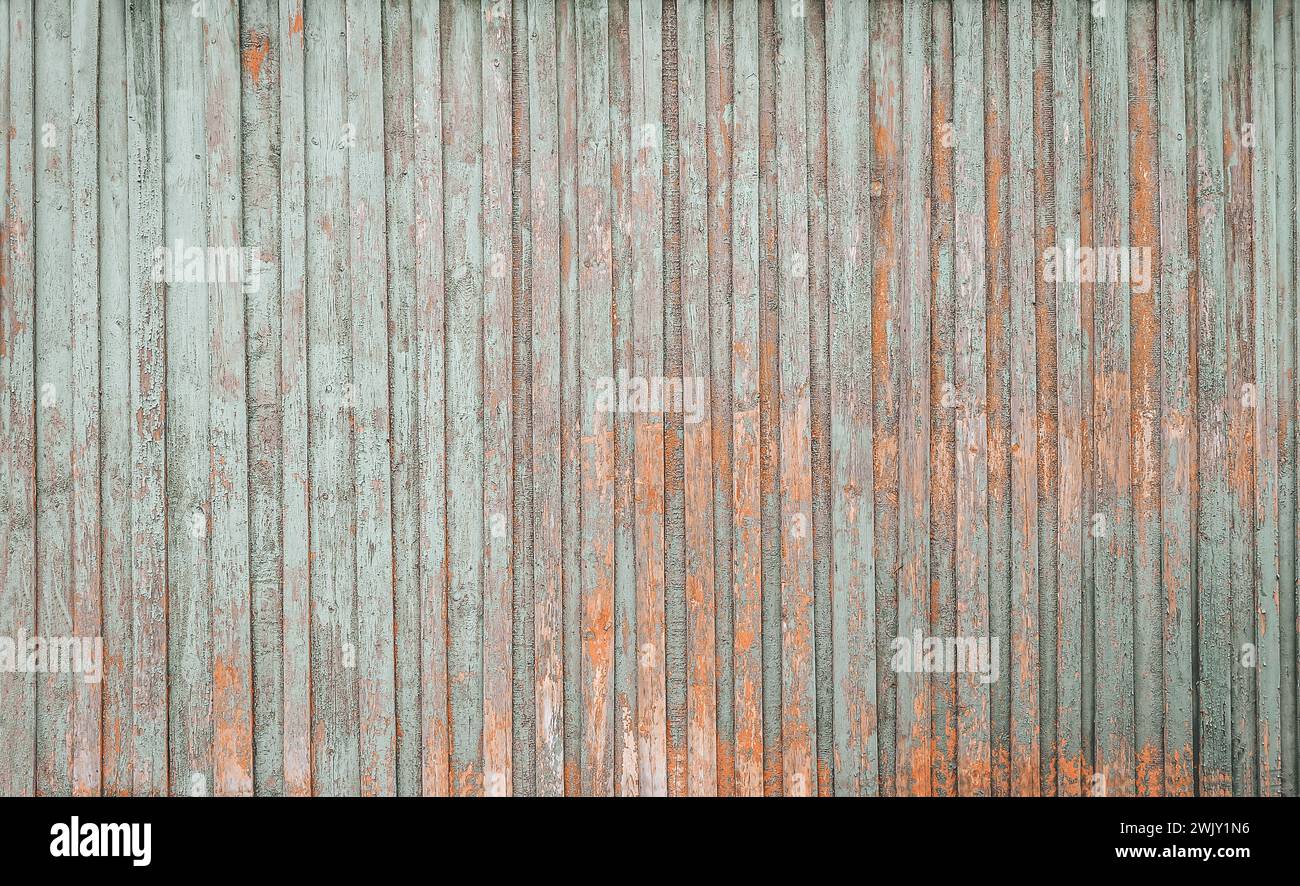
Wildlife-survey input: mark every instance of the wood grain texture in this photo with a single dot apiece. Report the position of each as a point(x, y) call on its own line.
point(649, 397)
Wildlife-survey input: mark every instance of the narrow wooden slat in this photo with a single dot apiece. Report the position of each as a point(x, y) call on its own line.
point(1292, 687)
point(1088, 360)
point(1284, 271)
point(622, 141)
point(56, 395)
point(695, 403)
point(1022, 640)
point(816, 143)
point(295, 488)
point(1148, 660)
point(85, 752)
point(17, 368)
point(597, 449)
point(1214, 775)
point(463, 227)
point(1176, 404)
point(115, 422)
point(1045, 321)
point(190, 369)
point(571, 395)
point(746, 501)
point(1113, 533)
point(150, 690)
point(853, 585)
point(227, 444)
point(1294, 272)
point(719, 94)
point(260, 78)
point(548, 606)
point(368, 273)
point(888, 237)
point(798, 690)
point(913, 764)
point(769, 405)
point(498, 346)
point(1240, 140)
point(430, 384)
point(332, 403)
point(1072, 523)
point(400, 173)
point(676, 642)
point(1268, 686)
point(974, 766)
point(943, 486)
point(645, 65)
point(998, 366)
point(523, 713)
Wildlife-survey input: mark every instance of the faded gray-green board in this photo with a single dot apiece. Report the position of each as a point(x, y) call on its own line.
point(391, 500)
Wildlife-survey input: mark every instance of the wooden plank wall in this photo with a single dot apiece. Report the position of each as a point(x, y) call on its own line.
point(360, 519)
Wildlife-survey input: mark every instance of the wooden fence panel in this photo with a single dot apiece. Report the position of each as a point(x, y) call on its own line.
point(649, 397)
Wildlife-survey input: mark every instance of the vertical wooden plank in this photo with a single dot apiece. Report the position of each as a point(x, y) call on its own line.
point(1267, 591)
point(85, 752)
point(973, 753)
point(1045, 321)
point(430, 368)
point(676, 650)
point(998, 365)
point(746, 492)
point(1022, 641)
point(701, 699)
point(571, 395)
point(430, 378)
point(1177, 417)
point(1088, 362)
point(645, 62)
point(1067, 141)
point(371, 423)
point(596, 346)
point(943, 487)
point(332, 399)
point(1148, 660)
point(56, 395)
point(463, 188)
point(260, 185)
point(522, 628)
point(853, 615)
point(190, 367)
point(626, 762)
point(227, 444)
point(17, 367)
point(1284, 237)
point(886, 34)
point(400, 173)
point(798, 689)
point(1239, 144)
point(548, 612)
point(150, 692)
point(1214, 653)
point(114, 417)
point(719, 119)
point(1112, 534)
point(816, 143)
point(1294, 271)
point(769, 404)
point(294, 391)
point(498, 346)
point(913, 763)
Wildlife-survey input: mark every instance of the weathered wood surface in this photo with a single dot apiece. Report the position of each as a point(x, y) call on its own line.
point(393, 503)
